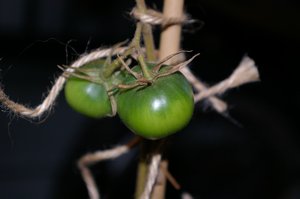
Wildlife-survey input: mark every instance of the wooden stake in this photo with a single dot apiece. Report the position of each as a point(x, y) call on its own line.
point(170, 37)
point(169, 44)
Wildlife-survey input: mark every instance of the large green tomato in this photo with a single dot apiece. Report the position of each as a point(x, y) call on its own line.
point(158, 110)
point(89, 98)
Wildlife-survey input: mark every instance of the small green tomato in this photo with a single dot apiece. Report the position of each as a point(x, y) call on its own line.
point(158, 110)
point(86, 97)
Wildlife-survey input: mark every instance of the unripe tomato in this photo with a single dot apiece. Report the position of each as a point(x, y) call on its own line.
point(158, 110)
point(86, 97)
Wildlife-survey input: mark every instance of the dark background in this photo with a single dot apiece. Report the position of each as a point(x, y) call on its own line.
point(212, 158)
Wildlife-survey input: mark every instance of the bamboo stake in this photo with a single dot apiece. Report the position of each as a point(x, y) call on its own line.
point(141, 178)
point(143, 165)
point(169, 44)
point(170, 36)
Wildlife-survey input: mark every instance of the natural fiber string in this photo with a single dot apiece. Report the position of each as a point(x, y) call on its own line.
point(92, 158)
point(246, 72)
point(89, 181)
point(97, 157)
point(218, 104)
point(152, 176)
point(186, 195)
point(154, 17)
point(56, 88)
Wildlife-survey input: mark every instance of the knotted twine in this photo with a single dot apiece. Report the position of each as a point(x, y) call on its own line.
point(48, 102)
point(154, 17)
point(246, 72)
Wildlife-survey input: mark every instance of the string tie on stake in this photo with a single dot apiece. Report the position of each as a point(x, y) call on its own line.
point(154, 17)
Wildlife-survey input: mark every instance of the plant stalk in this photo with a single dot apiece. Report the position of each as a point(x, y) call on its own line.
point(136, 42)
point(149, 43)
point(147, 33)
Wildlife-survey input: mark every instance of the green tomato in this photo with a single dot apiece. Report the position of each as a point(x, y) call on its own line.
point(158, 110)
point(86, 97)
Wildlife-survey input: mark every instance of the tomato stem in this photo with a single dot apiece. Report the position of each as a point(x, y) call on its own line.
point(137, 36)
point(146, 30)
point(136, 42)
point(149, 43)
point(144, 67)
point(115, 64)
point(147, 33)
point(111, 68)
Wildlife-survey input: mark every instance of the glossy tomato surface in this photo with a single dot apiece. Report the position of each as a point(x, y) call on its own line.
point(158, 110)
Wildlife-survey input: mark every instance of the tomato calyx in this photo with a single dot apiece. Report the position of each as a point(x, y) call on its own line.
point(156, 71)
point(87, 89)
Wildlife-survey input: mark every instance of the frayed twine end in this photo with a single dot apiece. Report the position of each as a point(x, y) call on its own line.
point(246, 72)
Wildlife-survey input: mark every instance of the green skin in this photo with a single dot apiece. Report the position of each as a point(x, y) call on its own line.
point(88, 98)
point(158, 110)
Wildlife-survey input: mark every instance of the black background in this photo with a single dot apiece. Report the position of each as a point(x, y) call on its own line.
point(212, 158)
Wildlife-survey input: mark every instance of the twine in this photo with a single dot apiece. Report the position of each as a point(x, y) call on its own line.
point(48, 102)
point(92, 158)
point(218, 104)
point(186, 195)
point(154, 17)
point(246, 72)
point(152, 176)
